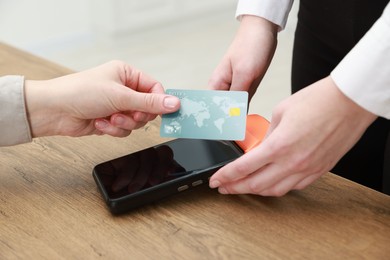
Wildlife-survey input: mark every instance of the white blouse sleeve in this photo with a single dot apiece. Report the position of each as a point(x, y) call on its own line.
point(364, 74)
point(275, 11)
point(15, 128)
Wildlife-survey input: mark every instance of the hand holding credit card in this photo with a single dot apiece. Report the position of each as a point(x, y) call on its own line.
point(207, 114)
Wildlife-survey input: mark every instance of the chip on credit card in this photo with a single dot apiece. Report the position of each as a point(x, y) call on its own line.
point(207, 114)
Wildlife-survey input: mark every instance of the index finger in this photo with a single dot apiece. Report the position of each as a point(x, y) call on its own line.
point(141, 82)
point(242, 167)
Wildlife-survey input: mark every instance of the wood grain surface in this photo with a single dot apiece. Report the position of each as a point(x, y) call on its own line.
point(50, 207)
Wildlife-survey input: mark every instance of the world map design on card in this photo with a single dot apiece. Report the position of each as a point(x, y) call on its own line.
point(207, 114)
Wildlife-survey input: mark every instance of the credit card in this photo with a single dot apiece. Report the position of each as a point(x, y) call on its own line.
point(207, 114)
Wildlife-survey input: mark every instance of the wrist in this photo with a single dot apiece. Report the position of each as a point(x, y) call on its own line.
point(41, 113)
point(256, 40)
point(351, 109)
point(259, 23)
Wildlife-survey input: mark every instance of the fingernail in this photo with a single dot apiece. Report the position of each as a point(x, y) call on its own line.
point(222, 190)
point(170, 102)
point(100, 124)
point(214, 184)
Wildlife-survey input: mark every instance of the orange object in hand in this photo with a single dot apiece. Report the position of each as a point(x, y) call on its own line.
point(256, 129)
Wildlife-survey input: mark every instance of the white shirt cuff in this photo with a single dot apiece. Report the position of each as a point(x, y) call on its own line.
point(15, 128)
point(364, 74)
point(275, 11)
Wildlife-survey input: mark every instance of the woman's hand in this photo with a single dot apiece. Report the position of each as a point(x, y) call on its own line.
point(249, 55)
point(113, 99)
point(309, 132)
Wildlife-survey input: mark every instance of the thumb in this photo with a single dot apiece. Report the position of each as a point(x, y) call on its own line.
point(153, 103)
point(241, 81)
point(245, 82)
point(221, 77)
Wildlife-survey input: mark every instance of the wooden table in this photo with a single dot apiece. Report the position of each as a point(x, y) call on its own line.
point(50, 207)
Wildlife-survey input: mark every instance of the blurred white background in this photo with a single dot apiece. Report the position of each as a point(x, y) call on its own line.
point(178, 42)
